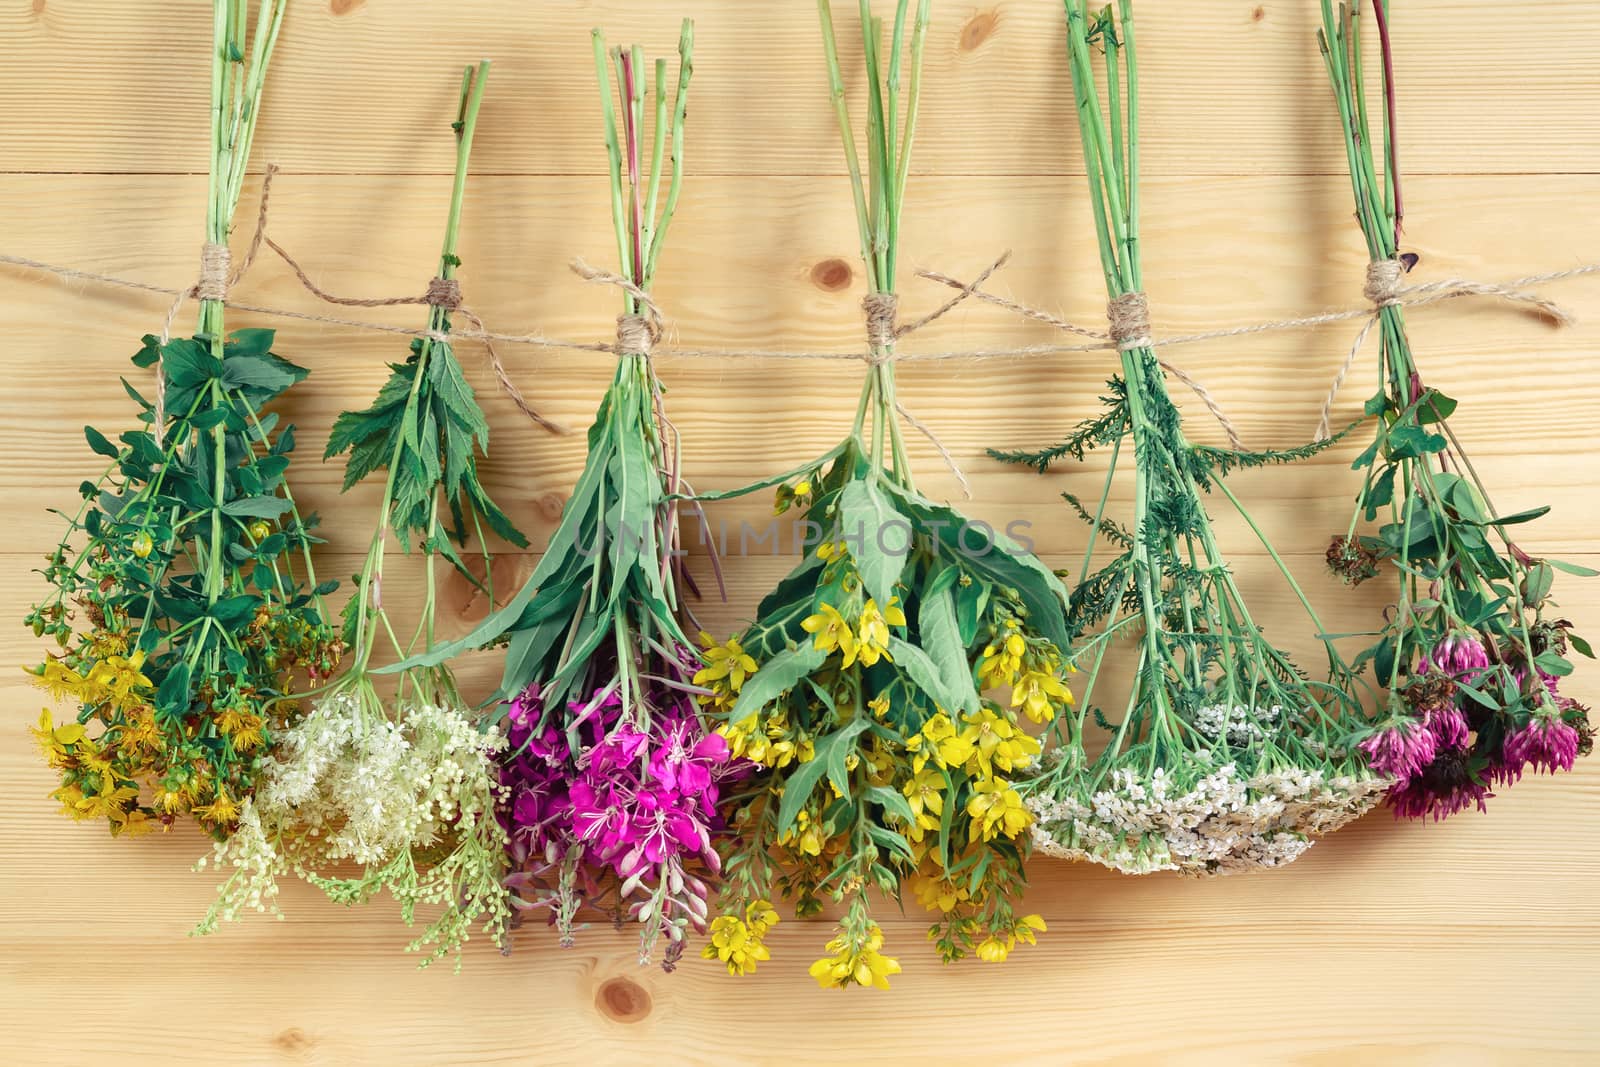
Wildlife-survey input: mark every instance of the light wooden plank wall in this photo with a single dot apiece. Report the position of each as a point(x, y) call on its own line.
point(1475, 941)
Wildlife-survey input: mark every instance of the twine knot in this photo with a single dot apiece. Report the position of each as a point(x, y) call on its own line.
point(216, 266)
point(1129, 315)
point(443, 293)
point(881, 329)
point(1383, 282)
point(636, 335)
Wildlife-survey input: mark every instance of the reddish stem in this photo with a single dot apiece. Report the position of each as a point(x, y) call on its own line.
point(1389, 107)
point(631, 136)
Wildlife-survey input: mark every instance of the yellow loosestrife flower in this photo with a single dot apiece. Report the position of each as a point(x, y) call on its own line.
point(832, 632)
point(998, 809)
point(873, 642)
point(855, 964)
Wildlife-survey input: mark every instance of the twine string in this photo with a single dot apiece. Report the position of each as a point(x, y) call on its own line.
point(642, 333)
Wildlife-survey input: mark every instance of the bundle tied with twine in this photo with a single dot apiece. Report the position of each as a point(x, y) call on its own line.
point(1128, 319)
point(218, 276)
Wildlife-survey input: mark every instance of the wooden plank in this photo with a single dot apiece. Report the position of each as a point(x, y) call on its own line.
point(1472, 941)
point(368, 86)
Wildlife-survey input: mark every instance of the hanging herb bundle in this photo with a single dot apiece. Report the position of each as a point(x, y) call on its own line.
point(610, 774)
point(175, 595)
point(855, 696)
point(406, 788)
point(1226, 756)
point(1472, 653)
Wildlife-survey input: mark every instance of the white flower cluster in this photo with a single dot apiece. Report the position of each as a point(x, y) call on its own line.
point(347, 784)
point(1219, 824)
point(1238, 724)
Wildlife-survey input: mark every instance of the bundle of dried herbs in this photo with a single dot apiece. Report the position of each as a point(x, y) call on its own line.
point(183, 599)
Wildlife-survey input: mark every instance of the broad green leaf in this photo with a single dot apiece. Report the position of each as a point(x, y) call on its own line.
point(925, 675)
point(798, 786)
point(774, 678)
point(877, 535)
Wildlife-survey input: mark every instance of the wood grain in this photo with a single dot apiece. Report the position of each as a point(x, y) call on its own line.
point(1474, 941)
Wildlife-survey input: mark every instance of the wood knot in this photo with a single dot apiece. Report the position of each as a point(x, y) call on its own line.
point(979, 28)
point(344, 7)
point(1258, 14)
point(832, 275)
point(38, 7)
point(623, 1000)
point(550, 506)
point(294, 1041)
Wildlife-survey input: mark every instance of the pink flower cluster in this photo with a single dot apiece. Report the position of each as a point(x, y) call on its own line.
point(1443, 763)
point(595, 804)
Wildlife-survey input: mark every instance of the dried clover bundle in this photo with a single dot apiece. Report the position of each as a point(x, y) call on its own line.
point(1471, 654)
point(609, 773)
point(854, 701)
point(177, 604)
point(1226, 757)
point(407, 788)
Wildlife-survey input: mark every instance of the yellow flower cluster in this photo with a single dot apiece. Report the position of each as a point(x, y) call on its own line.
point(996, 947)
point(856, 961)
point(867, 641)
point(739, 943)
point(1032, 674)
point(726, 668)
point(985, 741)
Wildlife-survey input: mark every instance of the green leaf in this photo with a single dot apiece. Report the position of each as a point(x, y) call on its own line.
point(892, 802)
point(240, 372)
point(925, 675)
point(1580, 645)
point(941, 639)
point(1519, 517)
point(868, 520)
point(101, 446)
point(172, 696)
point(256, 507)
point(1573, 568)
point(799, 785)
point(774, 678)
point(1435, 407)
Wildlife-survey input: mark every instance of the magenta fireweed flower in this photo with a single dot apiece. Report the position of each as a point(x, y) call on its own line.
point(607, 804)
point(1547, 743)
point(1400, 749)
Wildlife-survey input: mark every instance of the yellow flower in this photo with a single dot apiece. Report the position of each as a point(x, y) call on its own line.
point(993, 950)
point(728, 661)
point(925, 794)
point(879, 706)
point(59, 680)
point(938, 894)
point(939, 741)
point(241, 727)
point(53, 740)
point(832, 632)
point(1002, 661)
point(726, 668)
point(1037, 693)
point(998, 945)
point(874, 629)
point(738, 942)
point(829, 551)
point(855, 964)
point(114, 679)
point(805, 836)
point(222, 810)
point(995, 742)
point(761, 916)
point(998, 809)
